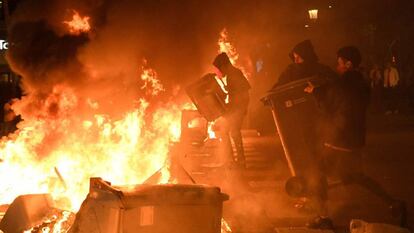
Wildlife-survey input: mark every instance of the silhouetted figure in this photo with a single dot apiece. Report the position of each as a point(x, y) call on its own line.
point(391, 81)
point(238, 92)
point(305, 64)
point(344, 103)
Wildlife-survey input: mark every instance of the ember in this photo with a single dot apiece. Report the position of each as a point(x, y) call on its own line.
point(78, 24)
point(57, 223)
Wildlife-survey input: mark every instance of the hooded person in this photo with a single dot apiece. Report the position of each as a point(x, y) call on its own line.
point(344, 104)
point(237, 88)
point(305, 64)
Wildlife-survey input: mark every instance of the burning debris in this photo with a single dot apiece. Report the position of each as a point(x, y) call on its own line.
point(115, 148)
point(60, 222)
point(149, 76)
point(78, 24)
point(79, 122)
point(34, 213)
point(136, 208)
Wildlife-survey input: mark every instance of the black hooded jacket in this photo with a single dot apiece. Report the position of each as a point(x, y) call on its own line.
point(344, 103)
point(310, 67)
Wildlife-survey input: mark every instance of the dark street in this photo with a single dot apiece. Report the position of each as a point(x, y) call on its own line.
point(388, 158)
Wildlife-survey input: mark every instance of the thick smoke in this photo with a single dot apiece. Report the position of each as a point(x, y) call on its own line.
point(47, 56)
point(104, 65)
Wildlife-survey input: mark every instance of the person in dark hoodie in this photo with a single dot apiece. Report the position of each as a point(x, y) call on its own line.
point(238, 92)
point(344, 103)
point(305, 64)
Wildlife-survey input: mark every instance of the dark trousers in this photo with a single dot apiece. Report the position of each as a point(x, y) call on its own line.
point(234, 122)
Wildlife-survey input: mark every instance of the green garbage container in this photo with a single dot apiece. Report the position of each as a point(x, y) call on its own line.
point(295, 114)
point(150, 209)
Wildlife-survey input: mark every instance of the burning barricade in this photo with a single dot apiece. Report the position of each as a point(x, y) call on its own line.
point(78, 122)
point(140, 208)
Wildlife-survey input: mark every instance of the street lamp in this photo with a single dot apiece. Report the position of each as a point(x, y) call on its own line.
point(313, 14)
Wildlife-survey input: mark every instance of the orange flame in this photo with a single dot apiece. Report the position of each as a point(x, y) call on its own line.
point(58, 227)
point(58, 153)
point(57, 223)
point(225, 227)
point(211, 133)
point(149, 76)
point(78, 24)
point(226, 46)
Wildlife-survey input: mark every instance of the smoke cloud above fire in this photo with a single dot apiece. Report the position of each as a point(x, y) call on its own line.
point(178, 40)
point(102, 65)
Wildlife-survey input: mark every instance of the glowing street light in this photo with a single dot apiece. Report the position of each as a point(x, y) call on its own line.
point(313, 14)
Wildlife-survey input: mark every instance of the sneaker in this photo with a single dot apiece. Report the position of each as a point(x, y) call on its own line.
point(320, 222)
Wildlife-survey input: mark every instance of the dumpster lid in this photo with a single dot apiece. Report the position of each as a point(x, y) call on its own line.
point(147, 189)
point(316, 81)
point(160, 192)
point(173, 194)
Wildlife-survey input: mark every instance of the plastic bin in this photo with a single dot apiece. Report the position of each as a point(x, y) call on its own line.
point(208, 97)
point(150, 209)
point(295, 113)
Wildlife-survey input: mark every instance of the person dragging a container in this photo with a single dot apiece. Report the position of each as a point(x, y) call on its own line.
point(344, 104)
point(237, 88)
point(305, 65)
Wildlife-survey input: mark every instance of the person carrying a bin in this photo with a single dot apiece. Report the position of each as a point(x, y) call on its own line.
point(237, 88)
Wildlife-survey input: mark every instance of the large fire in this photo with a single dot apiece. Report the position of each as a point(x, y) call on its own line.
point(58, 149)
point(57, 154)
